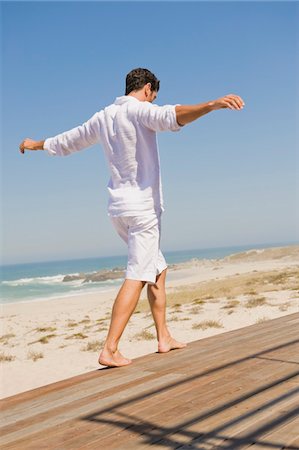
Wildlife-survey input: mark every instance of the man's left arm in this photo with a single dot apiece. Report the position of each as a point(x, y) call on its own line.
point(158, 118)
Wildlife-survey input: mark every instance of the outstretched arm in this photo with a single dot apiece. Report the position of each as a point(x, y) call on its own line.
point(188, 113)
point(68, 142)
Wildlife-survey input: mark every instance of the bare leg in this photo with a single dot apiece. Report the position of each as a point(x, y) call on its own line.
point(157, 300)
point(124, 306)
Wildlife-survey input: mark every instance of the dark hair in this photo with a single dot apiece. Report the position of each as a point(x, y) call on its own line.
point(138, 78)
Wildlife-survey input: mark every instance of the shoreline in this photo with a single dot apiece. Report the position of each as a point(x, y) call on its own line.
point(67, 278)
point(52, 339)
point(59, 297)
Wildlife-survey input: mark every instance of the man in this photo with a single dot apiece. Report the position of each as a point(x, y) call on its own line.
point(127, 131)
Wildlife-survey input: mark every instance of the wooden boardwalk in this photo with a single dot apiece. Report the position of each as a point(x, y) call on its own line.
point(235, 390)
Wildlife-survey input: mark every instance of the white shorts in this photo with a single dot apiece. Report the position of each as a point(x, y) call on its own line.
point(142, 235)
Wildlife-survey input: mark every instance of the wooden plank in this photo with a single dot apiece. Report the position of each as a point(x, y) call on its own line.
point(244, 428)
point(206, 422)
point(292, 445)
point(84, 409)
point(173, 414)
point(9, 402)
point(87, 390)
point(160, 395)
point(225, 348)
point(224, 386)
point(284, 436)
point(265, 353)
point(46, 403)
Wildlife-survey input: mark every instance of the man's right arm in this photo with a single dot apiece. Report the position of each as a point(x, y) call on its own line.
point(68, 142)
point(188, 113)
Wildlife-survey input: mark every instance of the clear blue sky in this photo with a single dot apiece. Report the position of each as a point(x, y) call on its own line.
point(229, 178)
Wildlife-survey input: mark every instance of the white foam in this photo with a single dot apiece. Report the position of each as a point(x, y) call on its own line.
point(36, 280)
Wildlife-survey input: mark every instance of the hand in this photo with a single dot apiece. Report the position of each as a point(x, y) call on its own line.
point(231, 101)
point(30, 144)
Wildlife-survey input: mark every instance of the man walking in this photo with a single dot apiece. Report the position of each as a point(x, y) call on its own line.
point(127, 131)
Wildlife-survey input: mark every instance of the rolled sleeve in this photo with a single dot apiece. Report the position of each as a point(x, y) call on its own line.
point(76, 139)
point(48, 149)
point(159, 118)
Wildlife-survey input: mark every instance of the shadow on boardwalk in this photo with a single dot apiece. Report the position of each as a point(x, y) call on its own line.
point(162, 436)
point(235, 390)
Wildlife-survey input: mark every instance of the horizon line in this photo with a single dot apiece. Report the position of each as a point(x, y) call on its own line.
point(265, 244)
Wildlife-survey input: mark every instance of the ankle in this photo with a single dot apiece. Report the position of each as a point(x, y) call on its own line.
point(110, 347)
point(163, 336)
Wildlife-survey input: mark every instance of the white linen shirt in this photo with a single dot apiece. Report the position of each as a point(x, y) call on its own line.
point(127, 131)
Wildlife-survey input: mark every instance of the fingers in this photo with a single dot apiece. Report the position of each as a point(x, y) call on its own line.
point(228, 104)
point(230, 101)
point(22, 147)
point(234, 101)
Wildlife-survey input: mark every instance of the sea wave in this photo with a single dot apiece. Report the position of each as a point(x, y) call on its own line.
point(72, 279)
point(37, 280)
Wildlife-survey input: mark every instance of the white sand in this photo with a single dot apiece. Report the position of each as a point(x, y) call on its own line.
point(76, 321)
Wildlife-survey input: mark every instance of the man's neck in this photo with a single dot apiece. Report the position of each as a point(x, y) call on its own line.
point(139, 95)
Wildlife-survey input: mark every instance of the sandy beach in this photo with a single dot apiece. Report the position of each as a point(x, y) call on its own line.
point(47, 341)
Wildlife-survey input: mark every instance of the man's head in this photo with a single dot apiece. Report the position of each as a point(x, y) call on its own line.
point(143, 84)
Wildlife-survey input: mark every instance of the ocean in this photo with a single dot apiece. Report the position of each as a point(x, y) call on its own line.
point(52, 279)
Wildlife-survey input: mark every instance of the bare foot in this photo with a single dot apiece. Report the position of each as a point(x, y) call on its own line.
point(168, 344)
point(113, 359)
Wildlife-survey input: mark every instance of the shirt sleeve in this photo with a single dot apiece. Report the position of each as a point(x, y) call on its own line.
point(76, 139)
point(158, 118)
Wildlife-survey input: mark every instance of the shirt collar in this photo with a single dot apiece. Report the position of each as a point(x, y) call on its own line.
point(124, 99)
